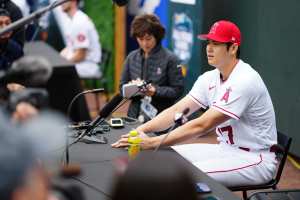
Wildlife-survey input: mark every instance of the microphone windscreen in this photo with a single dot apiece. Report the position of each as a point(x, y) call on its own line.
point(111, 105)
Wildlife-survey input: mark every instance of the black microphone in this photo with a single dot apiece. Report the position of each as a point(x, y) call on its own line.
point(105, 112)
point(116, 102)
point(179, 119)
point(110, 106)
point(30, 71)
point(120, 2)
point(33, 16)
point(144, 84)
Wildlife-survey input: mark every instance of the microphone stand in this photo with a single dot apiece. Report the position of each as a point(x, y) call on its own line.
point(69, 114)
point(78, 95)
point(35, 15)
point(100, 119)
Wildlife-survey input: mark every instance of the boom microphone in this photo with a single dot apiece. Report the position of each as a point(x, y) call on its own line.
point(120, 2)
point(110, 106)
point(105, 112)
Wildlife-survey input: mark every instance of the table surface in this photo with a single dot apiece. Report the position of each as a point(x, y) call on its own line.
point(97, 163)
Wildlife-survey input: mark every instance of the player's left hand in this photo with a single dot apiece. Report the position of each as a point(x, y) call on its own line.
point(123, 141)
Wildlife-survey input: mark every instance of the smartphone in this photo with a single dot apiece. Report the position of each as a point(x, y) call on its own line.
point(202, 187)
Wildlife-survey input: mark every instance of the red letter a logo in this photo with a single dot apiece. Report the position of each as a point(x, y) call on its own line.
point(226, 95)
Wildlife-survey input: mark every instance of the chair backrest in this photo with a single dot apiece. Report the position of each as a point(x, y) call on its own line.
point(282, 150)
point(286, 194)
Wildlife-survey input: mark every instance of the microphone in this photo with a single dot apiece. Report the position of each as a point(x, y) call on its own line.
point(30, 71)
point(97, 90)
point(144, 84)
point(116, 102)
point(179, 119)
point(78, 95)
point(33, 16)
point(120, 2)
point(110, 107)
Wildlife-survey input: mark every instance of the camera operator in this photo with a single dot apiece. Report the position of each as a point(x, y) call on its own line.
point(10, 49)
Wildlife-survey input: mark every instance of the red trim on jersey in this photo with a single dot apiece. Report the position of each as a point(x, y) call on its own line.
point(226, 111)
point(235, 169)
point(201, 104)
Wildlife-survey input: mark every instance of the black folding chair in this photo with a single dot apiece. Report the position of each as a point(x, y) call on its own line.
point(281, 150)
point(290, 194)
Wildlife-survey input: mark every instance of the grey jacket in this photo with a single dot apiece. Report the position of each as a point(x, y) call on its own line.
point(162, 68)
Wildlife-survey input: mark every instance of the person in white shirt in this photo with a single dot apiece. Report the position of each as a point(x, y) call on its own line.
point(83, 47)
point(238, 106)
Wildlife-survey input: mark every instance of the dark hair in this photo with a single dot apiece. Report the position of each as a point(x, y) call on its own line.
point(155, 175)
point(4, 12)
point(3, 4)
point(147, 24)
point(228, 44)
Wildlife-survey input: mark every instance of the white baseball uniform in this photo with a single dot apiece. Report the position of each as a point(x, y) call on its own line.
point(243, 156)
point(81, 33)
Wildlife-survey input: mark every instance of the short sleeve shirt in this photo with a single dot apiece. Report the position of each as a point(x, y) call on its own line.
point(82, 34)
point(243, 97)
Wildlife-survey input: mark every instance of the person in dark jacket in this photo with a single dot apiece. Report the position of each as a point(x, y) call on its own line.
point(10, 49)
point(152, 62)
point(15, 14)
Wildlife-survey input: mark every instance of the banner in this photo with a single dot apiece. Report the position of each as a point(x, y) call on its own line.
point(185, 20)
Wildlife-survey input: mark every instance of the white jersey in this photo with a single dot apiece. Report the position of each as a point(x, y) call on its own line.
point(81, 33)
point(245, 98)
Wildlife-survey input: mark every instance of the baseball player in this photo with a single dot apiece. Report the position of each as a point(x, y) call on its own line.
point(83, 47)
point(238, 106)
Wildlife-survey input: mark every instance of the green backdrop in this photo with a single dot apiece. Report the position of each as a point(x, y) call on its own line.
point(102, 14)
